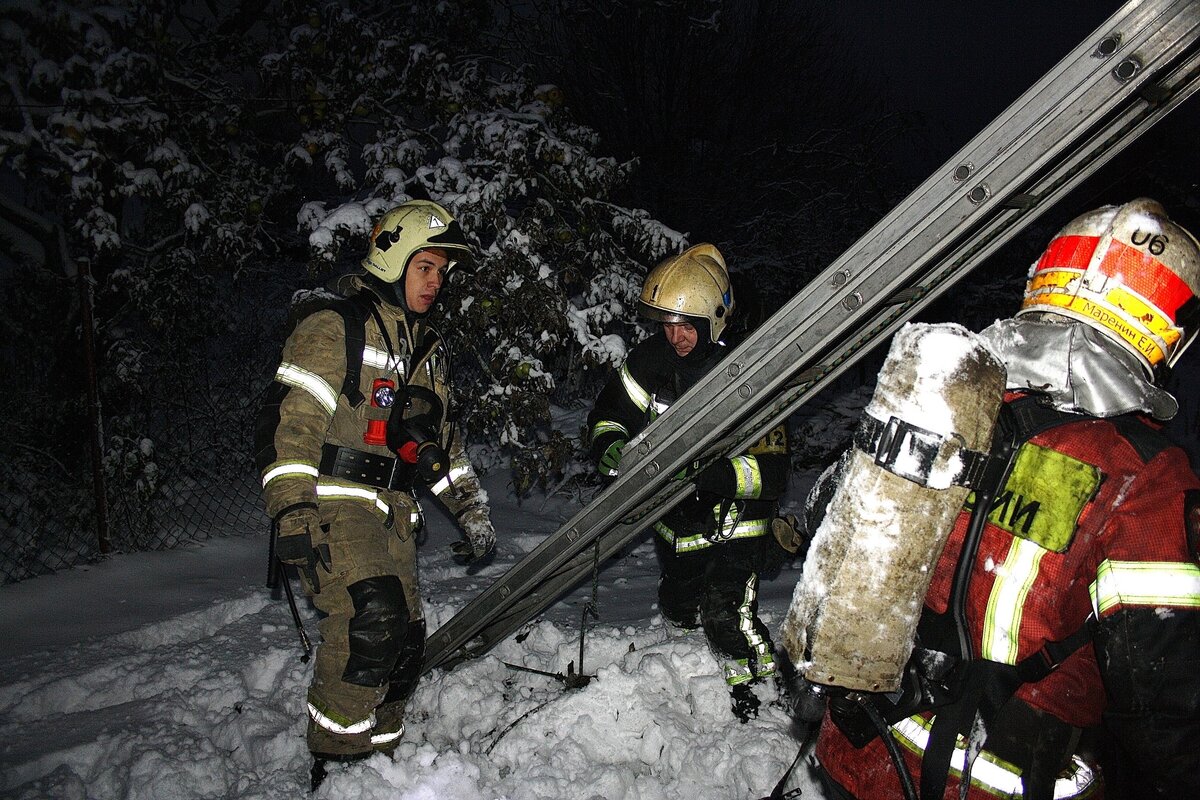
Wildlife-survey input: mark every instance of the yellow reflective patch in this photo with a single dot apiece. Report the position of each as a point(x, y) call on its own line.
point(1044, 496)
point(774, 442)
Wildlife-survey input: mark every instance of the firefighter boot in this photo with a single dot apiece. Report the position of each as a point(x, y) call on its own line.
point(744, 702)
point(326, 744)
point(389, 727)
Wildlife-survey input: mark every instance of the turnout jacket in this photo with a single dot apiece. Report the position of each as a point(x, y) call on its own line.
point(735, 497)
point(314, 441)
point(1099, 518)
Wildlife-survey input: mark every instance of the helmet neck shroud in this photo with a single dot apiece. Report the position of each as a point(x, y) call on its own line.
point(390, 293)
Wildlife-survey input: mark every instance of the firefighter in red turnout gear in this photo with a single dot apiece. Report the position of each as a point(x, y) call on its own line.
point(1071, 600)
point(713, 545)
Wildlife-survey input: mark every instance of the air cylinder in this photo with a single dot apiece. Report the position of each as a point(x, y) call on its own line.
point(855, 609)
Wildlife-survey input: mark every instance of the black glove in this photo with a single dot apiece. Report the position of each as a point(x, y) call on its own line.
point(790, 535)
point(294, 529)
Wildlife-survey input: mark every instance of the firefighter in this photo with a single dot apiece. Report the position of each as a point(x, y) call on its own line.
point(1067, 597)
point(713, 545)
point(356, 421)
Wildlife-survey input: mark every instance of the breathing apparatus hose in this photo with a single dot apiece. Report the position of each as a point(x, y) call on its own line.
point(999, 461)
point(893, 747)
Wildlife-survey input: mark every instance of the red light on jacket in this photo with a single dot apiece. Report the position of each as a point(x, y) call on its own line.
point(383, 395)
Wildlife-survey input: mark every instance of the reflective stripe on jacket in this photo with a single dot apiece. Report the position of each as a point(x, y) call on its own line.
point(1092, 520)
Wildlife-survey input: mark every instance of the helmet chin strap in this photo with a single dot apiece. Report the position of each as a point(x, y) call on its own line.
point(392, 292)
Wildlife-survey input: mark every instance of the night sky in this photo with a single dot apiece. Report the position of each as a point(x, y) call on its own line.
point(958, 65)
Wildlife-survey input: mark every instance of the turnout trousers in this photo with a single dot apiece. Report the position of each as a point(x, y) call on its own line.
point(717, 587)
point(372, 629)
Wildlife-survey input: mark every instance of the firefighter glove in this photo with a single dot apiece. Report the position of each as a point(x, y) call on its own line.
point(294, 543)
point(610, 461)
point(790, 534)
point(478, 534)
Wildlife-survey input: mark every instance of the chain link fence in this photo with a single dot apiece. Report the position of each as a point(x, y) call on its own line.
point(176, 460)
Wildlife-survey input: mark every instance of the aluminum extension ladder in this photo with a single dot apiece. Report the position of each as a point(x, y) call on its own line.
point(1130, 73)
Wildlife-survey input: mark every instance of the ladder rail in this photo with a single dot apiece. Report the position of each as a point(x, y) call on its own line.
point(850, 285)
point(862, 292)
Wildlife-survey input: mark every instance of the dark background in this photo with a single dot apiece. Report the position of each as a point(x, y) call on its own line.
point(794, 130)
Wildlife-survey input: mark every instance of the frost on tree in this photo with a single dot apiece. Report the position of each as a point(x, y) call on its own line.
point(855, 610)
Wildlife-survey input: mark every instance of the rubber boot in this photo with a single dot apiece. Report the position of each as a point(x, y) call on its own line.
point(389, 727)
point(744, 702)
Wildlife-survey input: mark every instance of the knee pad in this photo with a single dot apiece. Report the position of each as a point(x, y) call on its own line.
point(407, 672)
point(377, 631)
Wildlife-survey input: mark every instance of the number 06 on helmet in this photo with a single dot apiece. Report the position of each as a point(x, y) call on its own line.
point(1128, 272)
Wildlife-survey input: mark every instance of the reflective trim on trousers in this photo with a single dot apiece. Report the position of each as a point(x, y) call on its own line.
point(348, 729)
point(738, 670)
point(335, 491)
point(698, 541)
point(388, 737)
point(766, 663)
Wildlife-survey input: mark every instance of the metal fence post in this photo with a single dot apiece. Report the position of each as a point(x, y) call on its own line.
point(96, 420)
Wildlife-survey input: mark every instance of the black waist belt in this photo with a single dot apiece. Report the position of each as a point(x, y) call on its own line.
point(346, 463)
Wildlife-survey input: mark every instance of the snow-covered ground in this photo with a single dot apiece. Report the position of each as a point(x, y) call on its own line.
point(171, 675)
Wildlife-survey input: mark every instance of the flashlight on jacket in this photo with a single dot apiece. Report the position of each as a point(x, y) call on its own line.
point(383, 395)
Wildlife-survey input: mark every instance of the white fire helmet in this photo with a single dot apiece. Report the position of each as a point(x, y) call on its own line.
point(690, 286)
point(408, 228)
point(1128, 272)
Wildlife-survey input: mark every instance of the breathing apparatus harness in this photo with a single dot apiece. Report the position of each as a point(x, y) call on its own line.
point(946, 675)
point(420, 455)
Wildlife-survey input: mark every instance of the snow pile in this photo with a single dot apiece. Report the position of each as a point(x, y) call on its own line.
point(165, 676)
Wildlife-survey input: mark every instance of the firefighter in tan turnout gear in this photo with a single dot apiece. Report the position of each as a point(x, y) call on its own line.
point(714, 544)
point(356, 420)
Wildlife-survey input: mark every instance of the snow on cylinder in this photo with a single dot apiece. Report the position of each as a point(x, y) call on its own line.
point(855, 609)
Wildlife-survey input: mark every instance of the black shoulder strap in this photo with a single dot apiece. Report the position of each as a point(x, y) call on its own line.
point(1031, 416)
point(354, 310)
point(425, 347)
point(986, 685)
point(1146, 441)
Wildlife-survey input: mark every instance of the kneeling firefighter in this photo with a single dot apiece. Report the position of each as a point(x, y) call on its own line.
point(356, 420)
point(1067, 593)
point(713, 545)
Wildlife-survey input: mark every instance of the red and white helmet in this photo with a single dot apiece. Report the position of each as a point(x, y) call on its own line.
point(1128, 272)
